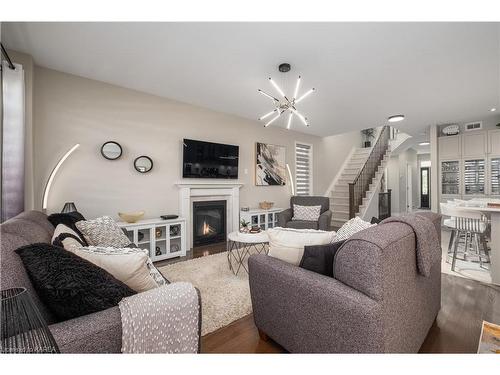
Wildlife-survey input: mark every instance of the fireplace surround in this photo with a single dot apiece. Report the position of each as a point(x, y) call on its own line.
point(195, 191)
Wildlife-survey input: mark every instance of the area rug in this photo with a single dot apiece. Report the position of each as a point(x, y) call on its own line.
point(224, 296)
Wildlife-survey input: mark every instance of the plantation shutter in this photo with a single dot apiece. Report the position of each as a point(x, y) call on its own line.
point(303, 169)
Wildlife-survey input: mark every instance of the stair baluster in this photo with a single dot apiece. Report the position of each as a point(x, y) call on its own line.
point(361, 184)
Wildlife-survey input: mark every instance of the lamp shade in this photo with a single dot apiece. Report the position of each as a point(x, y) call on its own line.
point(23, 328)
point(69, 207)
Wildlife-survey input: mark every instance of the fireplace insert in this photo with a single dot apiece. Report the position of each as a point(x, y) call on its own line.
point(209, 222)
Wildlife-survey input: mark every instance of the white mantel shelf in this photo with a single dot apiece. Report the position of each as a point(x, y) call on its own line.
point(195, 191)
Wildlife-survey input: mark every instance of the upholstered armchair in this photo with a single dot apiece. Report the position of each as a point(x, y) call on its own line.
point(324, 221)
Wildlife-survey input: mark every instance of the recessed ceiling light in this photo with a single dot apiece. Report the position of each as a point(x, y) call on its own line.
point(424, 143)
point(493, 109)
point(396, 118)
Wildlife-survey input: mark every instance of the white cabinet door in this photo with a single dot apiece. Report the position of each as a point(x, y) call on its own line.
point(474, 144)
point(474, 177)
point(494, 176)
point(494, 142)
point(450, 178)
point(449, 147)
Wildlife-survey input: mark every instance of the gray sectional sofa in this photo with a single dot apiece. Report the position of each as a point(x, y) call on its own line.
point(377, 301)
point(100, 332)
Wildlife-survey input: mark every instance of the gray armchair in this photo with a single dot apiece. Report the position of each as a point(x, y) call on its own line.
point(324, 221)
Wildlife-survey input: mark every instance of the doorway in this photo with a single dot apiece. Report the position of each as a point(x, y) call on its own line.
point(425, 183)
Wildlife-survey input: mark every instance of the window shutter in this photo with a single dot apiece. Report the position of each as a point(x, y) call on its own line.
point(303, 169)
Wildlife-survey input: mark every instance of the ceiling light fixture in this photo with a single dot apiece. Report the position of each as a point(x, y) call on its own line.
point(285, 104)
point(396, 118)
point(424, 143)
point(493, 109)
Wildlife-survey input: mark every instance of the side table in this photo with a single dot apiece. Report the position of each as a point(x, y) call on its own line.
point(241, 245)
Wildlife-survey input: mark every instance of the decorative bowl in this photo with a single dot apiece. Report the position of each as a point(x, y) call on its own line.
point(131, 217)
point(266, 205)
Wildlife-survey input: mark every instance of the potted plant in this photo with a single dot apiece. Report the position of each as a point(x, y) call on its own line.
point(369, 134)
point(244, 226)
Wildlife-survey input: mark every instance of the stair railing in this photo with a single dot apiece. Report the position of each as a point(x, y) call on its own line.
point(360, 185)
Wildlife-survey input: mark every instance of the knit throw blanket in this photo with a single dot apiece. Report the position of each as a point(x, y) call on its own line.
point(428, 246)
point(162, 320)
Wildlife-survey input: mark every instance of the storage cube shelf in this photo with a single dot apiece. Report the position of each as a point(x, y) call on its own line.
point(265, 219)
point(164, 239)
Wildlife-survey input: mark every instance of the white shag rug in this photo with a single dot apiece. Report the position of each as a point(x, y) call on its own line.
point(224, 296)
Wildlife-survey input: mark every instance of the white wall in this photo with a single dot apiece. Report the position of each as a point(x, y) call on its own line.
point(70, 109)
point(396, 180)
point(331, 154)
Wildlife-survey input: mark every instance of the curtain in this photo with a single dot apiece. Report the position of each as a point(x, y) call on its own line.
point(13, 139)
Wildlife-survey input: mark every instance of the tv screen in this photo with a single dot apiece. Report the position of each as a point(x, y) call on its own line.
point(209, 160)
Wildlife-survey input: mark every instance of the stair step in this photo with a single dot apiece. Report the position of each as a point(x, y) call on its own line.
point(341, 188)
point(340, 215)
point(351, 170)
point(340, 194)
point(340, 200)
point(364, 150)
point(346, 173)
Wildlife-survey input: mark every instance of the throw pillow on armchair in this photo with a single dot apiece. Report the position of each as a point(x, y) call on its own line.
point(288, 244)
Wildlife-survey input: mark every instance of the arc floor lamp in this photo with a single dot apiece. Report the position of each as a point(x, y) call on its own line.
point(48, 185)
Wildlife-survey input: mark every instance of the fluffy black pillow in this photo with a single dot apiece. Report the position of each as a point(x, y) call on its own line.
point(69, 219)
point(69, 285)
point(320, 258)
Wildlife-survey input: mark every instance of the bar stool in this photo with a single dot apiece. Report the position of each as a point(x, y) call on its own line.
point(473, 226)
point(449, 223)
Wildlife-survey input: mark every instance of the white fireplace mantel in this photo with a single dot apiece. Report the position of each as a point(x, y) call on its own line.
point(195, 191)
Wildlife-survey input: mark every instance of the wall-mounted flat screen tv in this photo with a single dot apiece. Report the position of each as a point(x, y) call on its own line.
point(209, 160)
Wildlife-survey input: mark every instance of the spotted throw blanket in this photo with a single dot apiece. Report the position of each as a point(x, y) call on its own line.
point(428, 246)
point(162, 320)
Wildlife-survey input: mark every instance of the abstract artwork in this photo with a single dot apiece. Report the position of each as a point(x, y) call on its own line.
point(270, 166)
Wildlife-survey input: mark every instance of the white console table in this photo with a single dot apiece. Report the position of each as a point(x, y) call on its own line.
point(163, 238)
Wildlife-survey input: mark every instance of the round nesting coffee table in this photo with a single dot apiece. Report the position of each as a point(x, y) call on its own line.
point(241, 245)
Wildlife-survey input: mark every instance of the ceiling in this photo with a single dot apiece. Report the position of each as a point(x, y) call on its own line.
point(363, 72)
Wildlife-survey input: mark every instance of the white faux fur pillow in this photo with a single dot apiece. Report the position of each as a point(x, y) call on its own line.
point(288, 244)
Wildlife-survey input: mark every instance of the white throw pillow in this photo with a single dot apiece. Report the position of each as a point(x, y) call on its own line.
point(352, 226)
point(103, 231)
point(287, 244)
point(66, 237)
point(307, 213)
point(130, 266)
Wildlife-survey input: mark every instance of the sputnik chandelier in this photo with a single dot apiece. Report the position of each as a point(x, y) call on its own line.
point(285, 103)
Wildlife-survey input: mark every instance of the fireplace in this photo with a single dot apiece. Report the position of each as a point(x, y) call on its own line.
point(209, 222)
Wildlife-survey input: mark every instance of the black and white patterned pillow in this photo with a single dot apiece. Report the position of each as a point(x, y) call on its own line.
point(103, 231)
point(352, 226)
point(306, 213)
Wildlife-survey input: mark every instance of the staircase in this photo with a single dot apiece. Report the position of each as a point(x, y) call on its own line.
point(363, 172)
point(339, 196)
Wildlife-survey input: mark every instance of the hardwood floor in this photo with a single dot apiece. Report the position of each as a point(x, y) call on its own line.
point(464, 305)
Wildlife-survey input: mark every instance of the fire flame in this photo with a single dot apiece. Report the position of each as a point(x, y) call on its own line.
point(207, 229)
